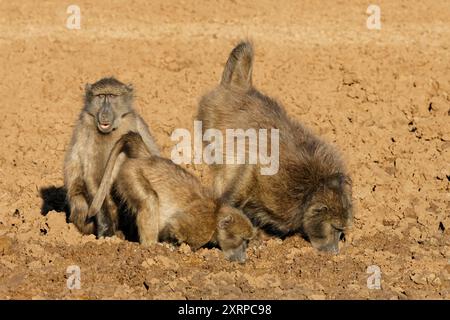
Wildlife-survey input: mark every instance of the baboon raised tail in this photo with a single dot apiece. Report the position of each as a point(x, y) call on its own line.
point(311, 192)
point(170, 203)
point(107, 114)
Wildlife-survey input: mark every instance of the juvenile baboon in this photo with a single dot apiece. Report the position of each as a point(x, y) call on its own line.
point(107, 115)
point(170, 203)
point(311, 192)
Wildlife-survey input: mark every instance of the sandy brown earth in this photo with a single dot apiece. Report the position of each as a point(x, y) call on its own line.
point(381, 96)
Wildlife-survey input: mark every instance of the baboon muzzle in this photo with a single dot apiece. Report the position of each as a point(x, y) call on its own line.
point(105, 117)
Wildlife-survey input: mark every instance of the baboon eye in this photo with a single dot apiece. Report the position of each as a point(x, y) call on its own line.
point(321, 209)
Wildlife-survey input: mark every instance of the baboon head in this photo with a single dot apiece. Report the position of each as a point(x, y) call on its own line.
point(108, 101)
point(328, 213)
point(234, 231)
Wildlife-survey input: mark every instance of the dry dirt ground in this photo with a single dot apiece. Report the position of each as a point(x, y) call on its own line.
point(382, 96)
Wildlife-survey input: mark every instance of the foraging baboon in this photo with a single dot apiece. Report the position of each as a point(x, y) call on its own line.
point(170, 203)
point(107, 115)
point(311, 192)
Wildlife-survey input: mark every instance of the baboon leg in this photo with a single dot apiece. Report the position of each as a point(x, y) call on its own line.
point(103, 220)
point(147, 219)
point(107, 218)
point(113, 211)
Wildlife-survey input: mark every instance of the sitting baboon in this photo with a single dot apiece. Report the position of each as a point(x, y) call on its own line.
point(107, 115)
point(170, 204)
point(311, 192)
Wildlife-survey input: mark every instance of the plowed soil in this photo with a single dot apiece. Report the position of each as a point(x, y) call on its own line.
point(382, 96)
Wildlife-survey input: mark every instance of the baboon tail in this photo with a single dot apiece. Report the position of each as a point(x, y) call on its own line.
point(238, 69)
point(130, 145)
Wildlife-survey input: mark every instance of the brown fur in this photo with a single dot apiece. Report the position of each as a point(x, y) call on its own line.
point(310, 194)
point(106, 101)
point(170, 203)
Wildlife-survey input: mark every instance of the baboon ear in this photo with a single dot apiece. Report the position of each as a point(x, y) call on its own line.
point(129, 87)
point(225, 222)
point(339, 180)
point(335, 182)
point(238, 69)
point(88, 87)
point(348, 181)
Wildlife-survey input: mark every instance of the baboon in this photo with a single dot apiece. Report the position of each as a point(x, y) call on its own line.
point(170, 204)
point(311, 192)
point(107, 114)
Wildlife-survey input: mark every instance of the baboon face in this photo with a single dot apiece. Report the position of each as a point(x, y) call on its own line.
point(234, 232)
point(108, 101)
point(328, 217)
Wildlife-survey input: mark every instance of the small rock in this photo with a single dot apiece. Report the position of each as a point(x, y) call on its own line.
point(120, 235)
point(185, 249)
point(148, 263)
point(445, 251)
point(289, 261)
point(151, 283)
point(416, 234)
point(372, 97)
point(353, 287)
point(436, 282)
point(167, 263)
point(434, 241)
point(90, 238)
point(6, 244)
point(400, 292)
point(293, 253)
point(430, 277)
point(349, 78)
point(308, 249)
point(16, 280)
point(418, 279)
point(446, 273)
point(274, 242)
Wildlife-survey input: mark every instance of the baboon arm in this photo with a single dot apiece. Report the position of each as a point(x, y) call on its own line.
point(78, 214)
point(147, 137)
point(147, 219)
point(73, 171)
point(73, 176)
point(76, 197)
